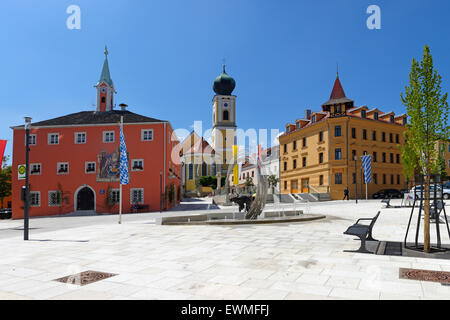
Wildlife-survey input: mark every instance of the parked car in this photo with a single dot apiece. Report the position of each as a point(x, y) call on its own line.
point(417, 190)
point(446, 191)
point(387, 193)
point(5, 213)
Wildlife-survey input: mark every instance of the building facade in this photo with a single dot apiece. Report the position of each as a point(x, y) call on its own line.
point(317, 152)
point(74, 160)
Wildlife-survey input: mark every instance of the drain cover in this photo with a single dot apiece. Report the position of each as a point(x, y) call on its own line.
point(425, 275)
point(85, 277)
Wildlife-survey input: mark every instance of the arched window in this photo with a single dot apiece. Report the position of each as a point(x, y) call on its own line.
point(226, 115)
point(103, 99)
point(204, 169)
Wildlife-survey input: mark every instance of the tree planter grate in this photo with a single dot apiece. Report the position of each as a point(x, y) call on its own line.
point(85, 277)
point(425, 275)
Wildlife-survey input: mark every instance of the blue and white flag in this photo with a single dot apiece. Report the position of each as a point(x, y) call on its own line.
point(367, 167)
point(124, 178)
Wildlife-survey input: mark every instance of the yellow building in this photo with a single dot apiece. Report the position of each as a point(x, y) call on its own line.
point(317, 153)
point(198, 159)
point(445, 149)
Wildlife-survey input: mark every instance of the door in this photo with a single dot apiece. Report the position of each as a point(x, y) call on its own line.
point(305, 184)
point(294, 186)
point(85, 199)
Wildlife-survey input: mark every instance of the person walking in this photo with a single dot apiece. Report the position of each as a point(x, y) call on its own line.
point(346, 194)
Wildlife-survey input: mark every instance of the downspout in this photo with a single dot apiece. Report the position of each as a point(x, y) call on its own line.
point(329, 159)
point(348, 165)
point(165, 156)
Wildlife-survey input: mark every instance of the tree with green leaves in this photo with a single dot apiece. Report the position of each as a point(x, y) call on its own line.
point(5, 180)
point(428, 113)
point(273, 181)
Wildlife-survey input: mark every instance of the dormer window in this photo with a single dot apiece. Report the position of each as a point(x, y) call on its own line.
point(392, 119)
point(404, 122)
point(375, 115)
point(313, 119)
point(363, 113)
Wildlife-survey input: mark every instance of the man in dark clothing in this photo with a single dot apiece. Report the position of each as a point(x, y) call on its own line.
point(346, 194)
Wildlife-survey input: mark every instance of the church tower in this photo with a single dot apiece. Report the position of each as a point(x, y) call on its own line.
point(224, 118)
point(105, 88)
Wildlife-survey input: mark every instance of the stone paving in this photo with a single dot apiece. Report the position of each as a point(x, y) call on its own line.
point(280, 261)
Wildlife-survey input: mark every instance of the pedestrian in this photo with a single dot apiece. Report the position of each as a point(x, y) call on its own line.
point(346, 194)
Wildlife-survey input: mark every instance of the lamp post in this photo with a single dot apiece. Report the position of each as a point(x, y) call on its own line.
point(160, 190)
point(27, 172)
point(356, 179)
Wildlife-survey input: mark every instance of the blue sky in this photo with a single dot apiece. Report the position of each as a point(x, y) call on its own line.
point(165, 55)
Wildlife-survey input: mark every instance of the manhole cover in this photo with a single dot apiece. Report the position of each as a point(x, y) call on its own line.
point(85, 277)
point(425, 275)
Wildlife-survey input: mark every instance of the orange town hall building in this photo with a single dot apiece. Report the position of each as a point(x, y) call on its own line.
point(74, 160)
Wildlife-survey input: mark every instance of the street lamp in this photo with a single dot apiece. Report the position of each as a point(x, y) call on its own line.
point(160, 190)
point(356, 179)
point(27, 188)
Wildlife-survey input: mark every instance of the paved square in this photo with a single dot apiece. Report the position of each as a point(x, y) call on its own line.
point(279, 261)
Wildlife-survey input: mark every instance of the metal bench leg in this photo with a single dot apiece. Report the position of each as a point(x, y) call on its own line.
point(362, 248)
point(369, 237)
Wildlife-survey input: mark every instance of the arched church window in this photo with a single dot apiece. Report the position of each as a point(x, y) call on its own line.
point(226, 115)
point(103, 99)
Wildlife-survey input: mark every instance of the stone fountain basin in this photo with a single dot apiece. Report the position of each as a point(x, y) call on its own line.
point(230, 218)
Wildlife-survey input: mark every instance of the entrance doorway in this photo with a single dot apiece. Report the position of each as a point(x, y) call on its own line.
point(85, 199)
point(305, 184)
point(294, 186)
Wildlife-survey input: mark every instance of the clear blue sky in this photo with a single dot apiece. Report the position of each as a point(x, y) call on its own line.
point(165, 54)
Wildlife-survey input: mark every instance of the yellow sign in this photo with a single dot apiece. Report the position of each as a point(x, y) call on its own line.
point(21, 170)
point(236, 174)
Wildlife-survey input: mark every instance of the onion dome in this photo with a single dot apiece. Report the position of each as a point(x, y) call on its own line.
point(224, 84)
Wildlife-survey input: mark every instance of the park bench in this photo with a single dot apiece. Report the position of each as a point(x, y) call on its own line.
point(143, 207)
point(364, 232)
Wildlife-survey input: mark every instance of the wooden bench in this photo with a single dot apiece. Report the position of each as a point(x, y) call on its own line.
point(137, 207)
point(364, 232)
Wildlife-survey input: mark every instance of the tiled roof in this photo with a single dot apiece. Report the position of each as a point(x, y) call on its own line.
point(91, 117)
point(201, 146)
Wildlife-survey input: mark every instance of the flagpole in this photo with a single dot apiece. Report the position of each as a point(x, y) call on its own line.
point(120, 192)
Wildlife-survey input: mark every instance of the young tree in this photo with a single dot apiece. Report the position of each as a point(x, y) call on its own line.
point(5, 180)
point(428, 113)
point(273, 181)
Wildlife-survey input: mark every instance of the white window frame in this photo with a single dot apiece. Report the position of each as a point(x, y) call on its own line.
point(111, 197)
point(76, 137)
point(58, 167)
point(40, 169)
point(49, 138)
point(131, 195)
point(50, 197)
point(31, 195)
point(86, 167)
point(132, 164)
point(33, 135)
point(104, 136)
point(143, 133)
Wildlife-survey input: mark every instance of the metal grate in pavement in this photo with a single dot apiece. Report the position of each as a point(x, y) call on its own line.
point(425, 275)
point(85, 277)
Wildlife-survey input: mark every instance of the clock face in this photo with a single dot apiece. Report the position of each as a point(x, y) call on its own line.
point(225, 104)
point(103, 90)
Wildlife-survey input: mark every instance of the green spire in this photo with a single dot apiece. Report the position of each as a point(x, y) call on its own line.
point(105, 76)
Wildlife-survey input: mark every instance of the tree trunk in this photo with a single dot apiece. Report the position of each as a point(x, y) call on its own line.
point(426, 222)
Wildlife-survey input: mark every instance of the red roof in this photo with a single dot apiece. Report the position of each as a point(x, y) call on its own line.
point(201, 146)
point(338, 91)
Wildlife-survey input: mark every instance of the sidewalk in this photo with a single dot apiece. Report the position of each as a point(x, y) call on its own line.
point(284, 261)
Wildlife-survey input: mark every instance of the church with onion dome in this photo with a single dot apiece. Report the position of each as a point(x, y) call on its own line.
point(199, 158)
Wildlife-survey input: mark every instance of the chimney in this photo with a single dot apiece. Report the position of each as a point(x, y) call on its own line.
point(308, 114)
point(123, 106)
